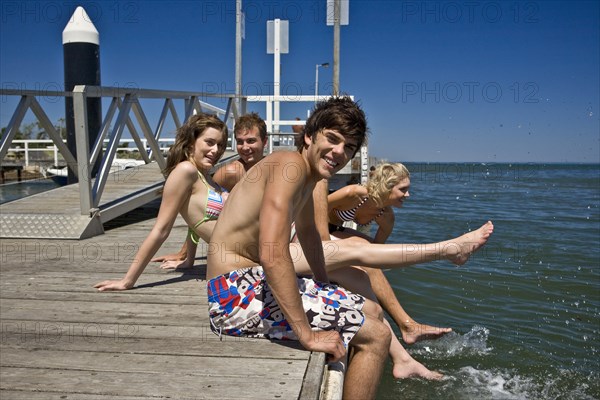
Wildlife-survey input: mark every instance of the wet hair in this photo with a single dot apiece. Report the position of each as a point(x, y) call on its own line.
point(383, 179)
point(249, 121)
point(187, 135)
point(341, 114)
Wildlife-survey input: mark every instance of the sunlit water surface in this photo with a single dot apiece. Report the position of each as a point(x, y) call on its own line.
point(526, 309)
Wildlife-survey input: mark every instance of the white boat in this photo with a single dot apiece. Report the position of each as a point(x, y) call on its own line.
point(60, 174)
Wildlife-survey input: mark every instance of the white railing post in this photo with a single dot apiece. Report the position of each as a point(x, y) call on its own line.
point(364, 164)
point(269, 123)
point(82, 145)
point(27, 153)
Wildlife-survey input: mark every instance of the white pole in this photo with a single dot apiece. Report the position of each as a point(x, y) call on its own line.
point(238, 54)
point(276, 70)
point(269, 122)
point(336, 47)
point(324, 65)
point(316, 82)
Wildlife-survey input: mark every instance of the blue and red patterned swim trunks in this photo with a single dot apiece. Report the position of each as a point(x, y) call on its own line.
point(241, 303)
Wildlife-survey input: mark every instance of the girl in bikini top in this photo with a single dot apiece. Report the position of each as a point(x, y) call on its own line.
point(350, 215)
point(212, 207)
point(199, 143)
point(387, 188)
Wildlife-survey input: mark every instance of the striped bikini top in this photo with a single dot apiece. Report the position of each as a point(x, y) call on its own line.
point(350, 215)
point(212, 209)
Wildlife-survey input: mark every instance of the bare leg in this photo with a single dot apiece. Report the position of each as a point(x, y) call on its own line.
point(370, 346)
point(459, 250)
point(357, 250)
point(341, 253)
point(412, 331)
point(404, 365)
point(356, 280)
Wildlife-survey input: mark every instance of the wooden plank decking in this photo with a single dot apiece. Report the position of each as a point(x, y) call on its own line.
point(63, 340)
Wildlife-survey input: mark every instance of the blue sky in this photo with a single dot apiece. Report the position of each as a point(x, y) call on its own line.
point(484, 81)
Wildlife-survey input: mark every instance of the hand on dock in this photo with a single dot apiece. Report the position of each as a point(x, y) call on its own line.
point(169, 257)
point(328, 342)
point(177, 264)
point(112, 285)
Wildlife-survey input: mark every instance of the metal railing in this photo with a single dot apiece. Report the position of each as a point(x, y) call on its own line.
point(126, 111)
point(25, 149)
point(124, 103)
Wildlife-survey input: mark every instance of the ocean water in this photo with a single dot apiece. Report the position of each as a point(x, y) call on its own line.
point(16, 190)
point(525, 309)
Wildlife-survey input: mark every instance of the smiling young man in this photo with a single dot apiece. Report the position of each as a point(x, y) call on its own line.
point(250, 140)
point(253, 289)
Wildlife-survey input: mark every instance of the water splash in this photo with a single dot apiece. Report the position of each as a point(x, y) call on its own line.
point(475, 383)
point(508, 384)
point(492, 384)
point(473, 342)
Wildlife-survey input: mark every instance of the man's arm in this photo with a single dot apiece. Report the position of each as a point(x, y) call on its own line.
point(229, 175)
point(276, 214)
point(320, 205)
point(274, 231)
point(311, 241)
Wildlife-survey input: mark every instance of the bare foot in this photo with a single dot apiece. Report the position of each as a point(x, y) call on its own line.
point(411, 368)
point(460, 249)
point(414, 332)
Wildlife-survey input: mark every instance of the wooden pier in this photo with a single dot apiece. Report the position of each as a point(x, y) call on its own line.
point(61, 339)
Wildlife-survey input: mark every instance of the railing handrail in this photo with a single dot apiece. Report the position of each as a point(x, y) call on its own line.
point(65, 140)
point(124, 109)
point(110, 91)
point(114, 91)
point(26, 149)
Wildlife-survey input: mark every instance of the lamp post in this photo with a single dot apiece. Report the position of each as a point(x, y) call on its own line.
point(324, 65)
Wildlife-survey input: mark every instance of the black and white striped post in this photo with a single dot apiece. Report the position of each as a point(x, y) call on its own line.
point(81, 50)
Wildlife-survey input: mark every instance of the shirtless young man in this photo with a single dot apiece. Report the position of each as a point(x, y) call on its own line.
point(250, 140)
point(250, 135)
point(253, 288)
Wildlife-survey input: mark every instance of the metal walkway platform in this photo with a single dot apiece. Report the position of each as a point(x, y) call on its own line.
point(56, 214)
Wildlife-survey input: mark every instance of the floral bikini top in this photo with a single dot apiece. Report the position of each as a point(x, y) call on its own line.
point(212, 209)
point(350, 215)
